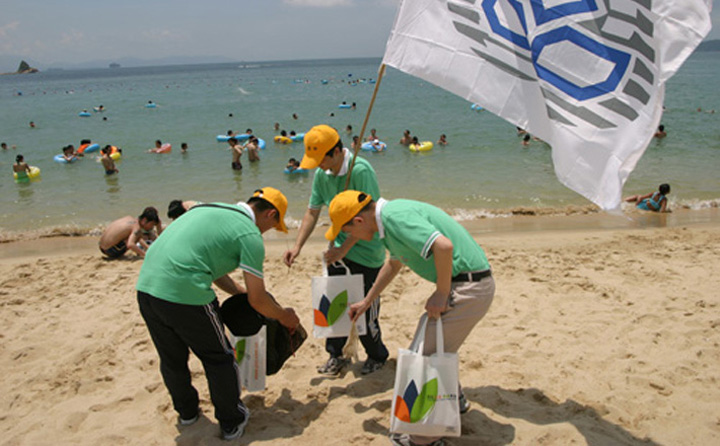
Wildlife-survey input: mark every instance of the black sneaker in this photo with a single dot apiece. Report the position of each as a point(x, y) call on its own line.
point(237, 430)
point(463, 403)
point(333, 366)
point(371, 365)
point(190, 420)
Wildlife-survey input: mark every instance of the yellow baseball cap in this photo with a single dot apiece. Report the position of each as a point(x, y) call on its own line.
point(277, 199)
point(318, 142)
point(343, 208)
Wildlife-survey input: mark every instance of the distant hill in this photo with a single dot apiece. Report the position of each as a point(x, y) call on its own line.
point(709, 45)
point(23, 68)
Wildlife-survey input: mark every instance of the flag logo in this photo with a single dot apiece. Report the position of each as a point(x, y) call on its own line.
point(239, 351)
point(412, 406)
point(330, 312)
point(580, 52)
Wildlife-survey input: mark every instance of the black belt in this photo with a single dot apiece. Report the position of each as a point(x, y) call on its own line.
point(472, 277)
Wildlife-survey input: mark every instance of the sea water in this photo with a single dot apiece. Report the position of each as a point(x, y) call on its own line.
point(483, 171)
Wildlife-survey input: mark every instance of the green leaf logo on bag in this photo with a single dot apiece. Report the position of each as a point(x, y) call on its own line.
point(412, 407)
point(330, 312)
point(240, 351)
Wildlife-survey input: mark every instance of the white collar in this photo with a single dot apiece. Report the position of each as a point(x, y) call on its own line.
point(248, 210)
point(379, 205)
point(347, 156)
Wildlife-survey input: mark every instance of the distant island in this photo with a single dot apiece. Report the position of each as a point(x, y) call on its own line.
point(709, 45)
point(114, 65)
point(24, 68)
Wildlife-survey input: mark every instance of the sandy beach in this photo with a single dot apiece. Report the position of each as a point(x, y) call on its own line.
point(598, 337)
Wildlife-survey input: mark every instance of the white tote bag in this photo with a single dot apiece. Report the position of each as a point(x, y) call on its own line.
point(331, 297)
point(250, 354)
point(425, 400)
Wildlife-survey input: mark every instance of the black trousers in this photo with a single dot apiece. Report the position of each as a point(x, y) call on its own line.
point(372, 340)
point(175, 329)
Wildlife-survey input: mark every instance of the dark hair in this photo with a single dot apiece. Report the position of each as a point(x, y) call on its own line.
point(664, 188)
point(150, 214)
point(248, 131)
point(233, 140)
point(85, 141)
point(261, 205)
point(19, 158)
point(526, 137)
point(106, 149)
point(661, 127)
point(175, 209)
point(339, 144)
point(283, 133)
point(157, 141)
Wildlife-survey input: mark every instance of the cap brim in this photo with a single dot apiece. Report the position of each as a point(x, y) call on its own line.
point(281, 226)
point(308, 163)
point(332, 233)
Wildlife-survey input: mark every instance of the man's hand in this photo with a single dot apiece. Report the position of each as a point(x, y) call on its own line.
point(358, 309)
point(290, 319)
point(436, 304)
point(290, 255)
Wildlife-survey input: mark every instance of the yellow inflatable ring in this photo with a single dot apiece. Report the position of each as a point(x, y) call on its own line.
point(32, 175)
point(422, 147)
point(283, 139)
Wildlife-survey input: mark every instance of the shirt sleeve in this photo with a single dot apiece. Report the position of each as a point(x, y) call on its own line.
point(316, 198)
point(252, 254)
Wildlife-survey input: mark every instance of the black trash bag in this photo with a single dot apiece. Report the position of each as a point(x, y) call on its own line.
point(243, 320)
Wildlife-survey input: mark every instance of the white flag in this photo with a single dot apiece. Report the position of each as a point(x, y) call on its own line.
point(587, 76)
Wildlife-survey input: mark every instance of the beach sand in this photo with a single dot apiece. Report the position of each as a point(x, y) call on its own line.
point(599, 337)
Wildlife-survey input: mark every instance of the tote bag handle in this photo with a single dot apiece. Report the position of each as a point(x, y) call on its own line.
point(324, 266)
point(418, 342)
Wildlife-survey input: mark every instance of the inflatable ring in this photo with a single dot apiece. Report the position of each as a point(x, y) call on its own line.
point(150, 105)
point(60, 158)
point(344, 106)
point(165, 148)
point(88, 148)
point(261, 143)
point(115, 156)
point(422, 147)
point(476, 107)
point(298, 138)
point(295, 171)
point(84, 114)
point(282, 140)
point(370, 147)
point(32, 175)
point(225, 138)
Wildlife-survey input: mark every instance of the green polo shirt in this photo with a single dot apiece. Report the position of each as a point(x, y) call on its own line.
point(202, 245)
point(324, 188)
point(409, 228)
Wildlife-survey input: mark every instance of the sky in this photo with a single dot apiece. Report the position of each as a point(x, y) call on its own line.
point(74, 32)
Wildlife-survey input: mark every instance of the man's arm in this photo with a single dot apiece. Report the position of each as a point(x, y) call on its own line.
point(386, 274)
point(266, 305)
point(442, 250)
point(306, 228)
point(334, 254)
point(229, 285)
point(133, 239)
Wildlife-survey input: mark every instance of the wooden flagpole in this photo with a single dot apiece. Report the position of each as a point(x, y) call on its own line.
point(381, 72)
